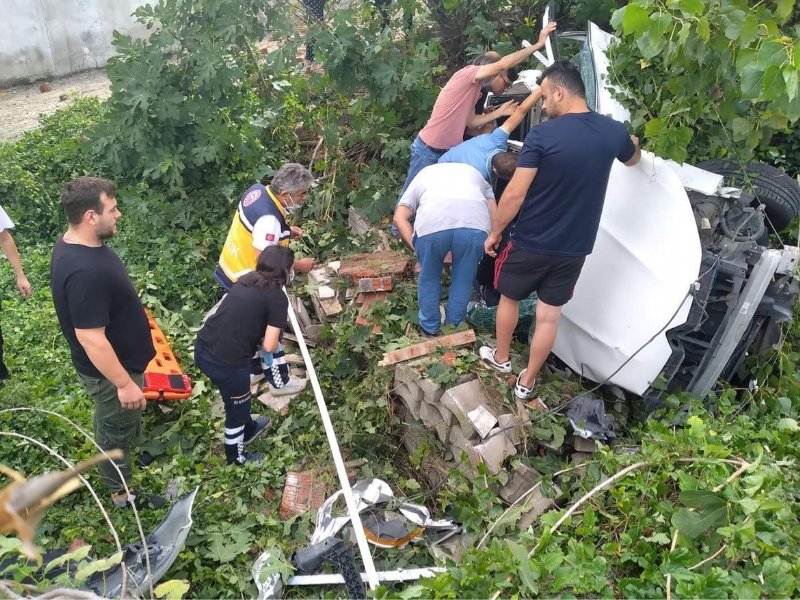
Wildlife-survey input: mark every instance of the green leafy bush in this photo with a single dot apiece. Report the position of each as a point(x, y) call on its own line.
point(707, 79)
point(188, 101)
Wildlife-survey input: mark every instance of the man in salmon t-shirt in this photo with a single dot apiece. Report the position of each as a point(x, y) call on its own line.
point(454, 109)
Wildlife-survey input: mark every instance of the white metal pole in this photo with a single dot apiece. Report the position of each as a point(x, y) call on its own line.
point(337, 578)
point(352, 509)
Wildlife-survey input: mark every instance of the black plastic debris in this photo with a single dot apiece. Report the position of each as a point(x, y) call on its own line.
point(587, 415)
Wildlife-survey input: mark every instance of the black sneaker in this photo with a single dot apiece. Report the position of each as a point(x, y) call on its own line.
point(249, 457)
point(258, 427)
point(144, 459)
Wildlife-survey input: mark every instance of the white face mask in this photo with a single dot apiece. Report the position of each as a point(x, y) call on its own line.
point(293, 207)
point(290, 277)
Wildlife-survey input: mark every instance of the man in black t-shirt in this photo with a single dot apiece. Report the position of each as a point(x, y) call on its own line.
point(103, 321)
point(558, 190)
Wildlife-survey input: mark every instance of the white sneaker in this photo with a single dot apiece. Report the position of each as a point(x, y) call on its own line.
point(295, 385)
point(487, 356)
point(522, 392)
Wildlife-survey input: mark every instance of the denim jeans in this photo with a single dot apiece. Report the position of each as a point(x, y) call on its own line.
point(421, 157)
point(466, 246)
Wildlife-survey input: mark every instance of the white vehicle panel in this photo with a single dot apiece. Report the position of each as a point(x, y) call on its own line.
point(599, 42)
point(646, 257)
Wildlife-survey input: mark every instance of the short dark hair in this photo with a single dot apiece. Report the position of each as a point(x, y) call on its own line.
point(272, 268)
point(565, 74)
point(505, 163)
point(82, 194)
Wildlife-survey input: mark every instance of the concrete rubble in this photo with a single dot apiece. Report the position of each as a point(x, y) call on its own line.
point(462, 418)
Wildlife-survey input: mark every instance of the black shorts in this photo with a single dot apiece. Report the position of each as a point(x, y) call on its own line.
point(518, 273)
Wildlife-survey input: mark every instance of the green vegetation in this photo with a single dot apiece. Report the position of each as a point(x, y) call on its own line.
point(708, 79)
point(197, 114)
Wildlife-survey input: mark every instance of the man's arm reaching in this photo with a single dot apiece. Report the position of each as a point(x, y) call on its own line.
point(523, 109)
point(637, 155)
point(509, 206)
point(505, 63)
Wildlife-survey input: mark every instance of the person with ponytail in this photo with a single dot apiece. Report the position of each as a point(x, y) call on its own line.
point(252, 316)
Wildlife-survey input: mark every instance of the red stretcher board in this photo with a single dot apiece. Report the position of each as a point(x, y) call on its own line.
point(163, 378)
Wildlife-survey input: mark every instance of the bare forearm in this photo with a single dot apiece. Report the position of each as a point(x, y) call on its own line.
point(532, 99)
point(406, 230)
point(104, 359)
point(518, 115)
point(517, 57)
point(480, 120)
point(12, 254)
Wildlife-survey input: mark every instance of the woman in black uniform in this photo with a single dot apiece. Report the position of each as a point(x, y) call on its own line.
point(252, 314)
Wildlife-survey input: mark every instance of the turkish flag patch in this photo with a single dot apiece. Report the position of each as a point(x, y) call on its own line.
point(270, 237)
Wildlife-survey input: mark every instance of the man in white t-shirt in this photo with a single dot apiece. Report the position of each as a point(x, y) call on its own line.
point(9, 248)
point(452, 206)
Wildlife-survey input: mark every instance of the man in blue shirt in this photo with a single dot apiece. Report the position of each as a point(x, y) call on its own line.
point(558, 190)
point(488, 152)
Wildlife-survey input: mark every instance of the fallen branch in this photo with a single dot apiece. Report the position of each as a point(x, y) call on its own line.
point(710, 558)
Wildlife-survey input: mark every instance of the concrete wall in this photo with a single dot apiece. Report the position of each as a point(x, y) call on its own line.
point(48, 38)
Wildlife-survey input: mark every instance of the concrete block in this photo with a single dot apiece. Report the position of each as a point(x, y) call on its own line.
point(482, 420)
point(443, 432)
point(512, 426)
point(469, 467)
point(521, 481)
point(416, 439)
point(447, 417)
point(580, 458)
point(429, 415)
point(409, 395)
point(280, 404)
point(582, 445)
point(325, 292)
point(462, 399)
point(404, 373)
point(320, 275)
point(494, 450)
point(536, 504)
point(457, 438)
point(431, 392)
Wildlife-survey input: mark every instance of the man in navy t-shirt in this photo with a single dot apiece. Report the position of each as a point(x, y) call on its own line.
point(558, 191)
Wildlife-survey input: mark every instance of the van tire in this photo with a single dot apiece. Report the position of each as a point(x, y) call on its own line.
point(779, 193)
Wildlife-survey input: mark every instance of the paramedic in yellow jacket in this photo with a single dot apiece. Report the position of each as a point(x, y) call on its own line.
point(260, 221)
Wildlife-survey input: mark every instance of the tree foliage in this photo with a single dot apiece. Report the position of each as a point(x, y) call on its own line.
point(707, 78)
point(189, 99)
point(195, 115)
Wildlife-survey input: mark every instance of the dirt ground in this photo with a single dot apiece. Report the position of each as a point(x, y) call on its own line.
point(21, 106)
